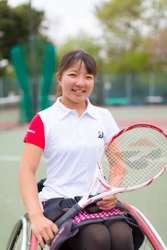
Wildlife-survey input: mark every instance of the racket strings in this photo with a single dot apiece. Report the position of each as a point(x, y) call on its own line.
point(134, 157)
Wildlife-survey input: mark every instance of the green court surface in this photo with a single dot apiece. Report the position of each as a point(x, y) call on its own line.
point(151, 200)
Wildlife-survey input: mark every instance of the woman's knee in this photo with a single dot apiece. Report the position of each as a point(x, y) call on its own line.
point(121, 235)
point(100, 237)
point(92, 236)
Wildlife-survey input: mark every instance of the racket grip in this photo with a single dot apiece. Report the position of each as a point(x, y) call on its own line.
point(71, 213)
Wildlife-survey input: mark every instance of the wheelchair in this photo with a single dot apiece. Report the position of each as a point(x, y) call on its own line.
point(22, 238)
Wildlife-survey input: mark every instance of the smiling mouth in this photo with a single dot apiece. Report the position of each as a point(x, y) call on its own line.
point(78, 91)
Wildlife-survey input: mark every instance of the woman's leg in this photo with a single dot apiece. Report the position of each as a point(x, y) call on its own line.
point(120, 234)
point(90, 237)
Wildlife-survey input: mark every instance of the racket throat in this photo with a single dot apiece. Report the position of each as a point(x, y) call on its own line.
point(105, 185)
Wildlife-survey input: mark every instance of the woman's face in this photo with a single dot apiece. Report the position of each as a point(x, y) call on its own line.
point(76, 84)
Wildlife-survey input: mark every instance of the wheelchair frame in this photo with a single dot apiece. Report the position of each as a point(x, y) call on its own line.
point(21, 237)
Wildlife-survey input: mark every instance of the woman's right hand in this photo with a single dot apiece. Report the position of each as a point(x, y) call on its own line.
point(44, 229)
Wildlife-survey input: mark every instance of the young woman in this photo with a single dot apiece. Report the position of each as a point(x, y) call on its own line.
point(70, 135)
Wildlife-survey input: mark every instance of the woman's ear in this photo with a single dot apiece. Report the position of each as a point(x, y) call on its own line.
point(58, 77)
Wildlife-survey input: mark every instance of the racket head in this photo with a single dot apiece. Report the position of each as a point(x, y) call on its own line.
point(134, 157)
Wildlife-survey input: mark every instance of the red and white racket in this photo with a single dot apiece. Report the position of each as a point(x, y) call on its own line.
point(134, 158)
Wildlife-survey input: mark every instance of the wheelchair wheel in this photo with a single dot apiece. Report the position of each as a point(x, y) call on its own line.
point(20, 237)
point(152, 239)
point(147, 245)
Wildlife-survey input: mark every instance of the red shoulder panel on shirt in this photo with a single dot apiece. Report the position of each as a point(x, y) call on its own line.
point(35, 133)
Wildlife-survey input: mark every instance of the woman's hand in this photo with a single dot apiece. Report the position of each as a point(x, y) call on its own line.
point(107, 203)
point(44, 229)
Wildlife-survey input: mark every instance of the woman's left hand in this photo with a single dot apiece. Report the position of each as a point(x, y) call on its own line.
point(107, 203)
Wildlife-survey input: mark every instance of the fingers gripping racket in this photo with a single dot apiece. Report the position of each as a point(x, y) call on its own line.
point(134, 158)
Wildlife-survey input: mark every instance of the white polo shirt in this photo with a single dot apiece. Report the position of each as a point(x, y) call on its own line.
point(71, 146)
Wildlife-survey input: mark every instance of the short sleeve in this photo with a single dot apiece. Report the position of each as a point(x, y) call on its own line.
point(35, 133)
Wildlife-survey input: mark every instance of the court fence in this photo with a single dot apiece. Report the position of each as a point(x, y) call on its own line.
point(131, 89)
point(110, 89)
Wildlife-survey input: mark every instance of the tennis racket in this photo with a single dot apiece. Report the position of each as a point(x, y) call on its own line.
point(134, 158)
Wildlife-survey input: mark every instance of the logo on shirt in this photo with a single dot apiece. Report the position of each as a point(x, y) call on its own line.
point(31, 131)
point(100, 134)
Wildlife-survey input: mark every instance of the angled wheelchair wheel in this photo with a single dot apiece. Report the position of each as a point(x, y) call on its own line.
point(152, 239)
point(18, 236)
point(21, 236)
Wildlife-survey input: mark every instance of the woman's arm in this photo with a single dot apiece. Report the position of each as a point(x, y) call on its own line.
point(43, 228)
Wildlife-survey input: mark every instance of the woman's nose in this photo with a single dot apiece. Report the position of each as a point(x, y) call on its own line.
point(80, 82)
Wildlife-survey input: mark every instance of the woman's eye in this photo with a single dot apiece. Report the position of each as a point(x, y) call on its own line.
point(89, 77)
point(72, 75)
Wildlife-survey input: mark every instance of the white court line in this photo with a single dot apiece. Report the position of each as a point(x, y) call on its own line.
point(10, 158)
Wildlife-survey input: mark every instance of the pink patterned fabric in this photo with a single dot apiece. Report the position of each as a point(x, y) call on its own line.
point(82, 216)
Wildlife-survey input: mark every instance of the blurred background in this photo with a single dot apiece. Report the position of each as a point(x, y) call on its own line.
point(128, 39)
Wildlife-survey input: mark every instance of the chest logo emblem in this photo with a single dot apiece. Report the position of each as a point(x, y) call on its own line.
point(100, 134)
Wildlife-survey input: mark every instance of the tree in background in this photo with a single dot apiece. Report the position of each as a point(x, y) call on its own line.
point(156, 41)
point(131, 39)
point(157, 48)
point(120, 22)
point(14, 27)
point(126, 26)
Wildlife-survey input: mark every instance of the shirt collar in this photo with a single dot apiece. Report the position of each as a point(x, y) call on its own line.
point(63, 111)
